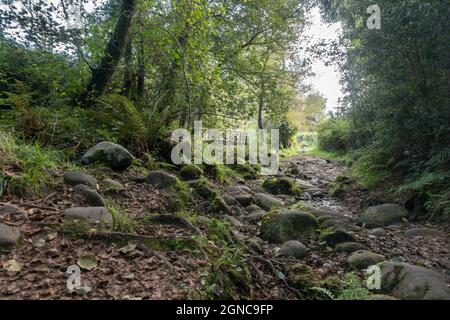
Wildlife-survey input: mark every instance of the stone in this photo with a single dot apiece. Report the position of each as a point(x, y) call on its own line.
point(74, 178)
point(382, 216)
point(236, 211)
point(113, 155)
point(337, 236)
point(9, 236)
point(340, 224)
point(362, 259)
point(244, 199)
point(252, 208)
point(204, 189)
point(230, 200)
point(256, 244)
point(350, 247)
point(111, 185)
point(256, 216)
point(378, 232)
point(10, 211)
point(267, 202)
point(92, 214)
point(162, 179)
point(92, 197)
point(288, 224)
point(294, 249)
point(190, 172)
point(282, 185)
point(423, 232)
point(232, 221)
point(408, 282)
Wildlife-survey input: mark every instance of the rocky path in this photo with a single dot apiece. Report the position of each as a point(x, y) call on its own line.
point(153, 237)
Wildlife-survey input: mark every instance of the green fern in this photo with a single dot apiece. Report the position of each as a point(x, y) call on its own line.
point(325, 292)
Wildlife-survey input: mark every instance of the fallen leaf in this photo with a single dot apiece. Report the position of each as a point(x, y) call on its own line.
point(13, 266)
point(39, 243)
point(87, 263)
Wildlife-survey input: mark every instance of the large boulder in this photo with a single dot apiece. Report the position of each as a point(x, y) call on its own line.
point(383, 215)
point(409, 282)
point(288, 224)
point(74, 178)
point(267, 202)
point(9, 236)
point(190, 172)
point(91, 214)
point(161, 179)
point(111, 154)
point(282, 185)
point(362, 259)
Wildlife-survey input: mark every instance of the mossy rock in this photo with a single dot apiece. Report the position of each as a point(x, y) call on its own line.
point(383, 215)
point(363, 259)
point(350, 247)
point(337, 236)
point(190, 172)
point(294, 249)
point(408, 282)
point(302, 276)
point(267, 202)
point(162, 179)
point(111, 154)
point(288, 224)
point(111, 185)
point(281, 186)
point(247, 171)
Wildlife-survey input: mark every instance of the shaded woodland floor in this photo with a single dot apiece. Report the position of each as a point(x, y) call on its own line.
point(131, 271)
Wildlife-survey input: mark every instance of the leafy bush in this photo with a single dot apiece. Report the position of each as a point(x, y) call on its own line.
point(334, 135)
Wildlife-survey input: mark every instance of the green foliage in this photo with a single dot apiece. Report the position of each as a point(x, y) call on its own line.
point(32, 164)
point(122, 222)
point(118, 115)
point(229, 275)
point(335, 135)
point(397, 99)
point(351, 287)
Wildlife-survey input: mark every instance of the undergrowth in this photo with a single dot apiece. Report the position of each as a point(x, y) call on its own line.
point(26, 167)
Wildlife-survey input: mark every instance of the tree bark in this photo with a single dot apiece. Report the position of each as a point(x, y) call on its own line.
point(128, 74)
point(103, 74)
point(141, 72)
point(261, 108)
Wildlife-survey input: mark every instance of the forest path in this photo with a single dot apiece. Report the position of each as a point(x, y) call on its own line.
point(157, 261)
point(412, 242)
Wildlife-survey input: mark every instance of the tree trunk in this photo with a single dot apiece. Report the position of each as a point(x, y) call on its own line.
point(141, 71)
point(261, 108)
point(128, 75)
point(102, 75)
